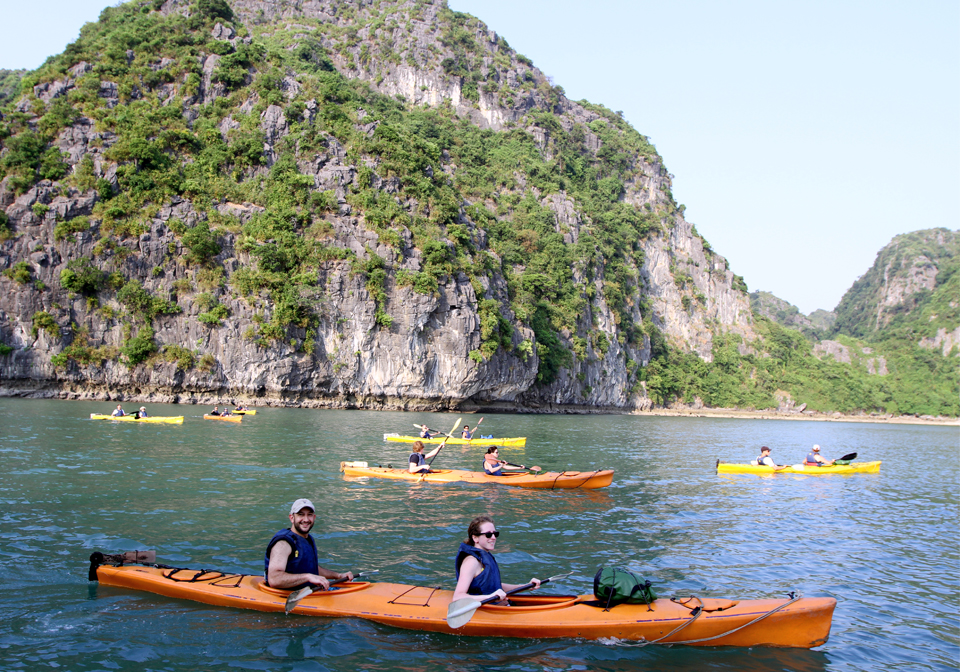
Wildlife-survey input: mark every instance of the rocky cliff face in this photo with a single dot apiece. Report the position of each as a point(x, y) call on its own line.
point(385, 344)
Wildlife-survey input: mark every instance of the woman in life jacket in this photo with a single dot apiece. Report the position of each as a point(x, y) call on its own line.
point(478, 575)
point(494, 466)
point(418, 461)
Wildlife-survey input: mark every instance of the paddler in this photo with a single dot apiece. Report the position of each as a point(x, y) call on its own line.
point(118, 412)
point(494, 466)
point(478, 575)
point(142, 413)
point(815, 459)
point(291, 559)
point(215, 411)
point(425, 432)
point(418, 461)
point(764, 460)
point(466, 433)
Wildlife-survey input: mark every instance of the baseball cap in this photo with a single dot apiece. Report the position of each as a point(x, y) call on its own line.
point(301, 503)
point(816, 448)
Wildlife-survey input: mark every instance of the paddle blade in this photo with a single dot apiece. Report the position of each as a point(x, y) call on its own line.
point(460, 612)
point(848, 457)
point(294, 598)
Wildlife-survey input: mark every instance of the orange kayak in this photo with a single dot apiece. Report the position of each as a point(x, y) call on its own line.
point(545, 480)
point(800, 622)
point(225, 418)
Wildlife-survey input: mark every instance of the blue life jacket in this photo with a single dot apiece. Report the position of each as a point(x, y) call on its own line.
point(466, 435)
point(760, 461)
point(495, 472)
point(487, 581)
point(811, 458)
point(303, 559)
point(417, 459)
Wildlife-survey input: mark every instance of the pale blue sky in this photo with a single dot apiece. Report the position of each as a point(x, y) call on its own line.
point(802, 136)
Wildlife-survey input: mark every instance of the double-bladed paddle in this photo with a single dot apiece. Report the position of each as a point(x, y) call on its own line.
point(294, 598)
point(460, 612)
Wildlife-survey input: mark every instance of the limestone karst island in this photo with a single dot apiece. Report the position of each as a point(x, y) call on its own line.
point(359, 204)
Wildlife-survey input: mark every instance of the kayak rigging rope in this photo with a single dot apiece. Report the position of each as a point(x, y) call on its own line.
point(697, 611)
point(794, 598)
point(215, 577)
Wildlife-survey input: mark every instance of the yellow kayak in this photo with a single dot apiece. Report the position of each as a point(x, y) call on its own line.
point(227, 418)
point(516, 442)
point(247, 412)
point(168, 419)
point(853, 468)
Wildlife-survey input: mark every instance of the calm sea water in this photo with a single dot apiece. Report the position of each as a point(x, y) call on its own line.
point(210, 495)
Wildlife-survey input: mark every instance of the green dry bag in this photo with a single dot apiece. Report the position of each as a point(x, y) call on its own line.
point(613, 586)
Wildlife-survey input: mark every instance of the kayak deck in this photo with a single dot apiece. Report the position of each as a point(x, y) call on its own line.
point(800, 622)
point(515, 442)
point(545, 480)
point(855, 468)
point(168, 419)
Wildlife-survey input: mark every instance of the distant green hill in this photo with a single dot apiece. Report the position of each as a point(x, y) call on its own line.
point(913, 285)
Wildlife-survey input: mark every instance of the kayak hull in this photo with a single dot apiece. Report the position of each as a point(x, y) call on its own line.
point(855, 468)
point(162, 419)
point(544, 480)
point(516, 442)
point(247, 412)
point(804, 623)
point(225, 418)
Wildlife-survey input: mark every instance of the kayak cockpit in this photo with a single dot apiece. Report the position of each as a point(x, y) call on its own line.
point(339, 589)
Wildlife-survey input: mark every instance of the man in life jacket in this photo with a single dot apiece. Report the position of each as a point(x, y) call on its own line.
point(290, 562)
point(466, 433)
point(764, 460)
point(425, 432)
point(815, 459)
point(215, 411)
point(142, 413)
point(118, 412)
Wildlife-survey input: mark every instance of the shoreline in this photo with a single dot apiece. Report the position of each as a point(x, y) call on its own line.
point(467, 408)
point(744, 414)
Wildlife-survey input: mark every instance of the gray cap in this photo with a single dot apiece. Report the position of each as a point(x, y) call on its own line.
point(300, 504)
point(816, 448)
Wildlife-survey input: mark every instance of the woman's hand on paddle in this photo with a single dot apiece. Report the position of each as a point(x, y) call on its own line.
point(500, 592)
point(535, 582)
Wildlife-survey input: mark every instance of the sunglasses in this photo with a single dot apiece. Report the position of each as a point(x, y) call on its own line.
point(494, 534)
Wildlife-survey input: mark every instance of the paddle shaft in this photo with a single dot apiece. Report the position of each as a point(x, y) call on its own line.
point(444, 442)
point(519, 465)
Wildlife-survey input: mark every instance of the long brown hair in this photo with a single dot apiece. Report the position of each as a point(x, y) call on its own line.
point(474, 529)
